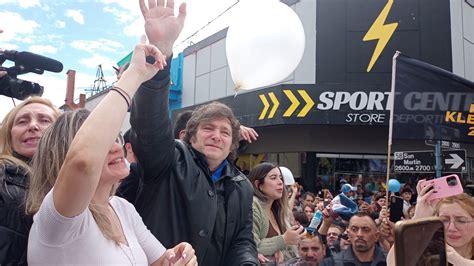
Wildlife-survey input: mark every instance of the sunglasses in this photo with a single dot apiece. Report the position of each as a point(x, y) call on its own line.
point(345, 236)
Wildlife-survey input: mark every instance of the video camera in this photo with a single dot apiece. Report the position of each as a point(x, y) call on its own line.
point(25, 62)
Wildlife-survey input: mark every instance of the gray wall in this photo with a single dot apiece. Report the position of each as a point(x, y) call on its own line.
point(462, 36)
point(206, 75)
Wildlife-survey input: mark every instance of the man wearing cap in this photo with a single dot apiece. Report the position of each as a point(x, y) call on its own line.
point(343, 204)
point(348, 190)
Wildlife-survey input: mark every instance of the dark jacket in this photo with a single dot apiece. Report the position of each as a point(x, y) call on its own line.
point(347, 258)
point(14, 224)
point(177, 199)
point(129, 186)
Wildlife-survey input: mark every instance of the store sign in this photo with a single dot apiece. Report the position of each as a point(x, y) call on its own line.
point(311, 104)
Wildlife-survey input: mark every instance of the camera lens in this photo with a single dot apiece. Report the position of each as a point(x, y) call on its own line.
point(452, 181)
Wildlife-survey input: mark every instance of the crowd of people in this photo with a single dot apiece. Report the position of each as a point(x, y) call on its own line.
point(73, 194)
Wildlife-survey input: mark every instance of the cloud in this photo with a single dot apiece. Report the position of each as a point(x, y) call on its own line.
point(60, 24)
point(135, 29)
point(42, 49)
point(22, 3)
point(9, 46)
point(126, 11)
point(14, 24)
point(97, 59)
point(131, 7)
point(29, 3)
point(101, 45)
point(121, 16)
point(76, 15)
point(26, 39)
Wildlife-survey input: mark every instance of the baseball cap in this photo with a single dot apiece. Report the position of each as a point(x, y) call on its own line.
point(348, 188)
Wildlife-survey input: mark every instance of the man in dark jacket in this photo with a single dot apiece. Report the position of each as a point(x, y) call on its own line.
point(189, 191)
point(363, 234)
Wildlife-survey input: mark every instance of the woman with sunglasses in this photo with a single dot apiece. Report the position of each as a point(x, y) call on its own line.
point(77, 166)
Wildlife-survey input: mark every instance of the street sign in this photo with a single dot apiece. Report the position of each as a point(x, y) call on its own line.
point(414, 162)
point(444, 144)
point(452, 161)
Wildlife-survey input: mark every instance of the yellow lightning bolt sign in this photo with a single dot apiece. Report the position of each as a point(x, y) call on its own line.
point(382, 33)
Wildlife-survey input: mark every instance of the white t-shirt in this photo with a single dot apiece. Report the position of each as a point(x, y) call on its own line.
point(55, 239)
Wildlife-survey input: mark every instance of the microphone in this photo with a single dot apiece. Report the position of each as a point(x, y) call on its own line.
point(31, 60)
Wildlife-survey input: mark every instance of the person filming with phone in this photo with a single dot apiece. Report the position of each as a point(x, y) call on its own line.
point(456, 212)
point(443, 197)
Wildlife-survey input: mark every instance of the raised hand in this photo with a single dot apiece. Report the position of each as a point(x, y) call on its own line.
point(295, 188)
point(424, 207)
point(161, 25)
point(139, 68)
point(248, 134)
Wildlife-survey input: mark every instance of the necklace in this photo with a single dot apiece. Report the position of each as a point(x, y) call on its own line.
point(131, 257)
point(126, 249)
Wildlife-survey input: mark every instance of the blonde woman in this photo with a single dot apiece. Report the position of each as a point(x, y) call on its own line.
point(77, 220)
point(21, 130)
point(457, 215)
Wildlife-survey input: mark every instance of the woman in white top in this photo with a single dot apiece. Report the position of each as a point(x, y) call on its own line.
point(78, 221)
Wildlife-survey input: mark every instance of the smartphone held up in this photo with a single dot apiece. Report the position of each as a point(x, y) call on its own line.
point(443, 187)
point(420, 242)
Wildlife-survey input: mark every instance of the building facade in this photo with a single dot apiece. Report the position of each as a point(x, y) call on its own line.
point(329, 118)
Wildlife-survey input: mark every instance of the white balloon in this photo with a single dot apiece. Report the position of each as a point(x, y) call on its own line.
point(265, 43)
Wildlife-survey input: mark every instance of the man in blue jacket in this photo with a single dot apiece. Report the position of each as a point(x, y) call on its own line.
point(189, 190)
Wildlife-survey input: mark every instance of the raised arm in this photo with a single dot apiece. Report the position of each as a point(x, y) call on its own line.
point(82, 167)
point(154, 141)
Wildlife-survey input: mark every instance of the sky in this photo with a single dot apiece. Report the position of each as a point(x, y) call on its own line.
point(85, 33)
